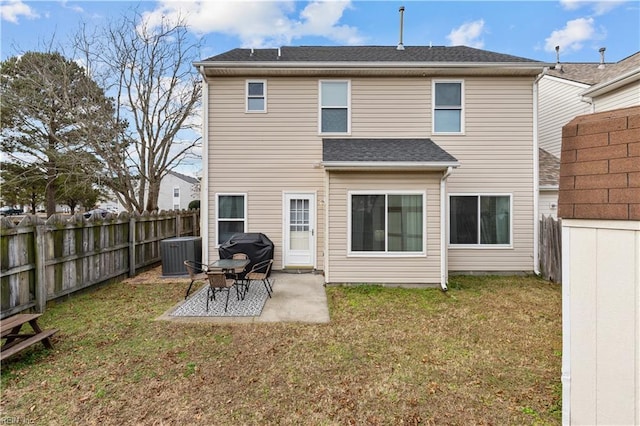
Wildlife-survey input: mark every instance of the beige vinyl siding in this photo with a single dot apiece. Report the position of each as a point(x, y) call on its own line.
point(624, 97)
point(264, 155)
point(496, 156)
point(379, 268)
point(559, 102)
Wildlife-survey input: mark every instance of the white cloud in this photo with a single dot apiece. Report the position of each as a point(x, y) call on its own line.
point(260, 23)
point(468, 34)
point(13, 9)
point(598, 7)
point(572, 36)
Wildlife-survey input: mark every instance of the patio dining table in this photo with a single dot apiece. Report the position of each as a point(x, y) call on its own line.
point(229, 264)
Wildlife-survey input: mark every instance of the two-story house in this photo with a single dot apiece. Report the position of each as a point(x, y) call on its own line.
point(374, 164)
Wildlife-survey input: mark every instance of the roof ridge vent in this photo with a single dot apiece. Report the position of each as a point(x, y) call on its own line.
point(400, 45)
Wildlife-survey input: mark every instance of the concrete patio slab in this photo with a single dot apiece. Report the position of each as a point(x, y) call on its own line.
point(297, 297)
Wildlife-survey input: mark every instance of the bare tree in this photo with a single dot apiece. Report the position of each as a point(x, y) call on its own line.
point(148, 70)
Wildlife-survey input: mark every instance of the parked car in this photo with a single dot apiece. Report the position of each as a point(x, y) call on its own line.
point(96, 213)
point(10, 211)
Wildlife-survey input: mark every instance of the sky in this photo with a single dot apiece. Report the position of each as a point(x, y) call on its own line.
point(521, 28)
point(529, 29)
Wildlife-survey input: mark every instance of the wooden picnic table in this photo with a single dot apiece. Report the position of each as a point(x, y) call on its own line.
point(11, 327)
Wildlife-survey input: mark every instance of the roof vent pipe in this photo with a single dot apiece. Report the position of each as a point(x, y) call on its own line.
point(558, 66)
point(279, 53)
point(400, 45)
point(601, 50)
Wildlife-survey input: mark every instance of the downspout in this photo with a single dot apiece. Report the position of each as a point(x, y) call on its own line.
point(536, 182)
point(204, 181)
point(326, 229)
point(444, 254)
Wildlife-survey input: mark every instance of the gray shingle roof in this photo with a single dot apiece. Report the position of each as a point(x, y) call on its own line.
point(549, 166)
point(590, 73)
point(443, 54)
point(384, 150)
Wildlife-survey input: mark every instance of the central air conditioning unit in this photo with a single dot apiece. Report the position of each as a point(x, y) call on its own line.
point(174, 251)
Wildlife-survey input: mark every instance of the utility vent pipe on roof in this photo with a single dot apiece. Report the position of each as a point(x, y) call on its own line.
point(558, 66)
point(400, 45)
point(279, 53)
point(601, 50)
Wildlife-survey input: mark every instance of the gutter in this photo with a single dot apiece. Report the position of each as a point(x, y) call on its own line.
point(204, 182)
point(388, 165)
point(444, 254)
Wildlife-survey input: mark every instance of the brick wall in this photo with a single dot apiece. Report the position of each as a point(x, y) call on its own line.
point(600, 166)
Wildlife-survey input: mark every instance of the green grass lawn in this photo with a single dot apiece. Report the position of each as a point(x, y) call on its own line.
point(485, 352)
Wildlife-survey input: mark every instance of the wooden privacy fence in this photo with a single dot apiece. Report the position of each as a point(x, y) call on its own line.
point(550, 249)
point(43, 260)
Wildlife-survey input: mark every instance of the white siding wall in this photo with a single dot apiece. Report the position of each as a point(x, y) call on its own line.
point(624, 97)
point(601, 322)
point(165, 196)
point(382, 269)
point(266, 154)
point(546, 200)
point(559, 103)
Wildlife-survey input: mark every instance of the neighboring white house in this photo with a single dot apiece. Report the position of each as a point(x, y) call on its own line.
point(571, 89)
point(176, 192)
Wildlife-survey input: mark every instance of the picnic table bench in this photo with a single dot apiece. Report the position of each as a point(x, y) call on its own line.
point(16, 341)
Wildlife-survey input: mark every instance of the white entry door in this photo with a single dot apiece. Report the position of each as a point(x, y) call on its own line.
point(299, 229)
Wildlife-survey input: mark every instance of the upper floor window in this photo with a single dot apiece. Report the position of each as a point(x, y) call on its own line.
point(232, 215)
point(448, 111)
point(176, 192)
point(335, 116)
point(387, 223)
point(256, 96)
point(480, 220)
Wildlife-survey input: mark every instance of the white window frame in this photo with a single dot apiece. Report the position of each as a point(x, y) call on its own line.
point(348, 106)
point(433, 107)
point(386, 253)
point(247, 97)
point(217, 207)
point(479, 245)
point(174, 192)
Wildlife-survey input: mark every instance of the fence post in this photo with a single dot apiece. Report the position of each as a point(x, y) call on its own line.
point(132, 247)
point(41, 277)
point(178, 223)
